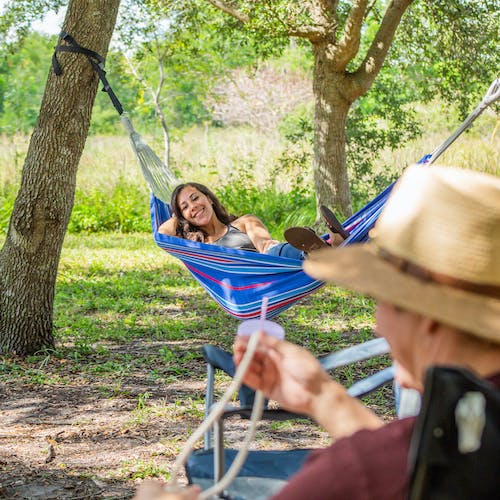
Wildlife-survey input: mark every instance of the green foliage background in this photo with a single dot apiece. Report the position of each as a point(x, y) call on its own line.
point(198, 45)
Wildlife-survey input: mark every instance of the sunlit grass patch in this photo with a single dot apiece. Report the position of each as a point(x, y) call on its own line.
point(123, 306)
point(142, 469)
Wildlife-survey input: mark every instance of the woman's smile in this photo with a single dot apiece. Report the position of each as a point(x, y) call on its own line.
point(195, 206)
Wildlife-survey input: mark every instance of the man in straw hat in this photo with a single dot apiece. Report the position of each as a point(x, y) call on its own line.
point(433, 265)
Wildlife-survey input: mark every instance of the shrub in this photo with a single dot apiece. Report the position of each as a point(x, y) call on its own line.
point(124, 209)
point(8, 194)
point(241, 194)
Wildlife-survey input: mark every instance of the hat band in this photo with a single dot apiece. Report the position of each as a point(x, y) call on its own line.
point(425, 274)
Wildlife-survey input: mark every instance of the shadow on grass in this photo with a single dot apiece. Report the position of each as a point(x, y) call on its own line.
point(23, 482)
point(125, 385)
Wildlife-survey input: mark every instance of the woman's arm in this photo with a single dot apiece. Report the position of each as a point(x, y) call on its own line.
point(256, 231)
point(169, 226)
point(292, 376)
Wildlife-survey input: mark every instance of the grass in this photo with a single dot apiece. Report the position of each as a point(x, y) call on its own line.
point(140, 469)
point(117, 288)
point(129, 320)
point(115, 291)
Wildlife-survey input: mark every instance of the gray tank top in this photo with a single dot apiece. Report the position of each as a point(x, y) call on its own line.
point(234, 238)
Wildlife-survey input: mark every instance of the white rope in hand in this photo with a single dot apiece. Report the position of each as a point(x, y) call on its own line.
point(216, 412)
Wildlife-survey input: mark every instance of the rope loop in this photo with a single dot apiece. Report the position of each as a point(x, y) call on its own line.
point(96, 61)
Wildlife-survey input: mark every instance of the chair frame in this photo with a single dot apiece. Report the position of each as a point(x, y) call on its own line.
point(361, 352)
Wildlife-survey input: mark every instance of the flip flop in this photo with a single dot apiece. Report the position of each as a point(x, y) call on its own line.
point(304, 239)
point(332, 222)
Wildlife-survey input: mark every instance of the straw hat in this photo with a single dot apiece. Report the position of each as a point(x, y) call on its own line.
point(435, 250)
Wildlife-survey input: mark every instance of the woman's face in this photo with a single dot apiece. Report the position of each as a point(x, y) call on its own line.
point(195, 207)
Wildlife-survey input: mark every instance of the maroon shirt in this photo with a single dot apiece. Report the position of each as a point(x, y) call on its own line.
point(367, 465)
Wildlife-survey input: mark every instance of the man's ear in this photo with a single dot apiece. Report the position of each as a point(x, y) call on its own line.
point(432, 325)
point(428, 329)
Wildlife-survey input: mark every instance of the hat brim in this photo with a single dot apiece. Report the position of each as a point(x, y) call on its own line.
point(359, 268)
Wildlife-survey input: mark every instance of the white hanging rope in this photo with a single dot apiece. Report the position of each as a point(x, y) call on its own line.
point(216, 413)
point(158, 176)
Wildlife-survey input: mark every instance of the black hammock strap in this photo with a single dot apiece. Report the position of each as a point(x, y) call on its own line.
point(158, 176)
point(95, 59)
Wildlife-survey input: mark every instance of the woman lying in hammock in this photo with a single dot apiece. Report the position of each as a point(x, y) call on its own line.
point(198, 215)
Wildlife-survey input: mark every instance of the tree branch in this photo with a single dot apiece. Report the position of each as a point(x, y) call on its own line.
point(228, 9)
point(324, 21)
point(156, 96)
point(324, 12)
point(348, 46)
point(377, 52)
point(311, 33)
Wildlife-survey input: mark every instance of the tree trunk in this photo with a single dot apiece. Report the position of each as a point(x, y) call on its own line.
point(330, 114)
point(30, 256)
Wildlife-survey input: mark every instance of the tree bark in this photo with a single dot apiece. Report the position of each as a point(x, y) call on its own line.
point(330, 114)
point(335, 89)
point(30, 256)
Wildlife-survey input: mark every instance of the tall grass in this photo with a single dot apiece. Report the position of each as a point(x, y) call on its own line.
point(244, 166)
point(476, 149)
point(241, 165)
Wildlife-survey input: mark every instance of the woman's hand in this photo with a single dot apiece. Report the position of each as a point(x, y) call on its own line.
point(169, 227)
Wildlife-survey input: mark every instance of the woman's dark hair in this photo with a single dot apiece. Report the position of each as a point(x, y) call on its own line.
point(184, 228)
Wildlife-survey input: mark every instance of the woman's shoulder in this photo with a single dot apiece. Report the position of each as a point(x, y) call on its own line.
point(242, 221)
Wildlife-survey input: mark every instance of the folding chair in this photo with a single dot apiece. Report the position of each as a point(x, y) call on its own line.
point(266, 471)
point(455, 448)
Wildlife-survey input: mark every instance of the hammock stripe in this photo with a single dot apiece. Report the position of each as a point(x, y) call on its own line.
point(238, 280)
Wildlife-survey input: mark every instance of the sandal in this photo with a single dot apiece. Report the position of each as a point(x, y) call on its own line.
point(332, 222)
point(304, 239)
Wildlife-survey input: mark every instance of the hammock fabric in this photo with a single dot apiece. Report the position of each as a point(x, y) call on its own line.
point(237, 279)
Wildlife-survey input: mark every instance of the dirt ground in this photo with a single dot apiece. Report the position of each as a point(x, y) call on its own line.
point(78, 440)
point(70, 442)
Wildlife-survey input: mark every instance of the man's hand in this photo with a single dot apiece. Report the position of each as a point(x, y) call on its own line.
point(284, 372)
point(154, 490)
point(294, 377)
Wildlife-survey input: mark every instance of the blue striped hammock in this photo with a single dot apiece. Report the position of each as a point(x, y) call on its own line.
point(238, 280)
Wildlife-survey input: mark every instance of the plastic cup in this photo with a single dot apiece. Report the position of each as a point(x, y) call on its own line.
point(246, 328)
